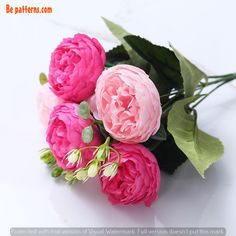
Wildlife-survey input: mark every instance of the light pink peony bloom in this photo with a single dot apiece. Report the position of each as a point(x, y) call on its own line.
point(93, 106)
point(75, 67)
point(46, 101)
point(128, 103)
point(137, 179)
point(64, 133)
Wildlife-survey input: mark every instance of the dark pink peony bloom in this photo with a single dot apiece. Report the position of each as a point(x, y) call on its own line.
point(64, 134)
point(75, 67)
point(137, 179)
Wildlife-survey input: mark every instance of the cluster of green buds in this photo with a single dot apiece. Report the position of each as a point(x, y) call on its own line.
point(94, 166)
point(100, 163)
point(47, 157)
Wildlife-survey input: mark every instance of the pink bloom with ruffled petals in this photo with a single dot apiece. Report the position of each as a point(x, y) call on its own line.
point(46, 101)
point(128, 103)
point(137, 179)
point(75, 67)
point(64, 134)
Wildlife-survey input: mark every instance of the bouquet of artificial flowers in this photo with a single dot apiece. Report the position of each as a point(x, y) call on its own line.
point(124, 114)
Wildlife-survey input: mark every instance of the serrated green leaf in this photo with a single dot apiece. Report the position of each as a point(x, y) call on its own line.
point(87, 134)
point(84, 110)
point(201, 148)
point(43, 79)
point(167, 70)
point(191, 74)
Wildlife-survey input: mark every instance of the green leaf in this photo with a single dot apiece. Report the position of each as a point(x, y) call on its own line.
point(120, 33)
point(168, 155)
point(200, 148)
point(116, 55)
point(163, 60)
point(87, 134)
point(43, 78)
point(160, 135)
point(103, 132)
point(84, 110)
point(190, 73)
point(57, 171)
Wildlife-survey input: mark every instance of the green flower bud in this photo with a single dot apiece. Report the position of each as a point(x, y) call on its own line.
point(69, 176)
point(84, 110)
point(110, 170)
point(74, 156)
point(101, 153)
point(47, 157)
point(87, 134)
point(93, 169)
point(43, 78)
point(82, 175)
point(57, 171)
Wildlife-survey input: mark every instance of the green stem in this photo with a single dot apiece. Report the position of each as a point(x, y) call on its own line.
point(87, 147)
point(172, 93)
point(222, 76)
point(222, 79)
point(117, 154)
point(210, 93)
point(97, 122)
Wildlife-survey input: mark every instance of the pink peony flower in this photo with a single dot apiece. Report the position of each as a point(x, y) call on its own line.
point(75, 67)
point(128, 103)
point(64, 134)
point(93, 106)
point(137, 179)
point(46, 101)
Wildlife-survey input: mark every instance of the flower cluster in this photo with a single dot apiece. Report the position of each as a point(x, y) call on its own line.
point(124, 115)
point(98, 117)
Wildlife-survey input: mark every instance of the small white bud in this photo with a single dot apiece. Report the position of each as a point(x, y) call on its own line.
point(74, 156)
point(110, 170)
point(93, 169)
point(69, 176)
point(82, 175)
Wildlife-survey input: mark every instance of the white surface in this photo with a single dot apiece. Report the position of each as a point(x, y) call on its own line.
point(203, 30)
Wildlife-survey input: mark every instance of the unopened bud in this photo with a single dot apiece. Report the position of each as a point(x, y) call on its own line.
point(69, 176)
point(47, 157)
point(110, 170)
point(101, 153)
point(82, 175)
point(93, 169)
point(57, 171)
point(74, 156)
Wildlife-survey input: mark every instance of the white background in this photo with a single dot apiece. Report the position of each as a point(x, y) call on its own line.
point(203, 30)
